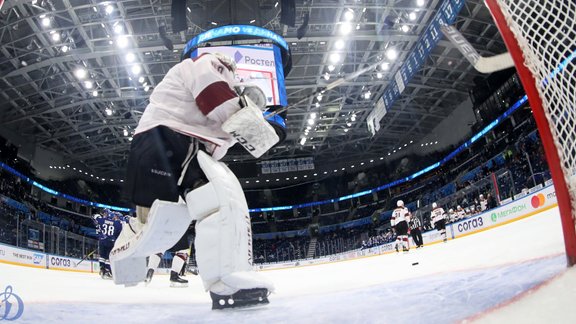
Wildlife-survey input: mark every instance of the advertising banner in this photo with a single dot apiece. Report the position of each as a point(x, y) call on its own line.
point(16, 255)
point(57, 262)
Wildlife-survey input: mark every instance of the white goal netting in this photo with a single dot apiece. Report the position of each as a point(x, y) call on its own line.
point(546, 33)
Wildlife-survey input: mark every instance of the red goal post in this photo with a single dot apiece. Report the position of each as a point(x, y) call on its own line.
point(541, 37)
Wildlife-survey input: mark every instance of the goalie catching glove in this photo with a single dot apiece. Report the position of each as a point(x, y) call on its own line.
point(250, 129)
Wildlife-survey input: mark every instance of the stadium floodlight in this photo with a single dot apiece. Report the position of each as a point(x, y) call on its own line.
point(130, 57)
point(334, 57)
point(345, 28)
point(339, 44)
point(391, 54)
point(136, 69)
point(122, 41)
point(349, 15)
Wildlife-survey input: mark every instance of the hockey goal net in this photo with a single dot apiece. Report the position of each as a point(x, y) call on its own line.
point(541, 37)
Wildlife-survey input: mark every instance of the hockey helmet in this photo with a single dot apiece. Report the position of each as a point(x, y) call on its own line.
point(400, 203)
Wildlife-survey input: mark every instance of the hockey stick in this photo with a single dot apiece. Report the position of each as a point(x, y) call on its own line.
point(481, 64)
point(86, 257)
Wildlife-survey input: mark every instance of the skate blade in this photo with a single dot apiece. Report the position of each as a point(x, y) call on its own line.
point(178, 285)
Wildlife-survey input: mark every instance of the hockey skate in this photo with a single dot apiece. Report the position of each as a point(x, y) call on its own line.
point(176, 281)
point(193, 270)
point(240, 299)
point(105, 274)
point(149, 276)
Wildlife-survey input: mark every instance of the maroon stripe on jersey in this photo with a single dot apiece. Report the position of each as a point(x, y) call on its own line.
point(213, 96)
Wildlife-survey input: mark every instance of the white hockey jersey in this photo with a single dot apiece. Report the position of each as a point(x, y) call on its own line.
point(437, 214)
point(399, 215)
point(195, 98)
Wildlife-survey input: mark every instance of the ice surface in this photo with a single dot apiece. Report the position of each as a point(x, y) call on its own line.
point(464, 279)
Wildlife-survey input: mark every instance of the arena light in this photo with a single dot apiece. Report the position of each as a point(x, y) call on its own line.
point(45, 21)
point(319, 97)
point(420, 3)
point(326, 76)
point(379, 75)
point(125, 132)
point(334, 57)
point(130, 57)
point(118, 28)
point(95, 93)
point(122, 41)
point(391, 54)
point(313, 115)
point(345, 28)
point(136, 69)
point(349, 15)
point(349, 124)
point(108, 111)
point(405, 28)
point(317, 105)
point(310, 122)
point(109, 9)
point(367, 95)
point(65, 48)
point(385, 66)
point(55, 36)
point(331, 67)
point(88, 84)
point(412, 16)
point(353, 118)
point(302, 142)
point(81, 73)
point(339, 44)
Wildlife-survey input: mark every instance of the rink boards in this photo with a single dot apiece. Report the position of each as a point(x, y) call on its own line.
point(37, 259)
point(533, 201)
point(531, 204)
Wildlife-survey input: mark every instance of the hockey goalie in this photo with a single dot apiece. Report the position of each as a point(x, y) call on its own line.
point(175, 176)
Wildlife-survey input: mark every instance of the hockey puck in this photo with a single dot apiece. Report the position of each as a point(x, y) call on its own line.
point(415, 263)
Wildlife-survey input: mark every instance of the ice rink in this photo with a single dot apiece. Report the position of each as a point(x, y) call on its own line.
point(511, 274)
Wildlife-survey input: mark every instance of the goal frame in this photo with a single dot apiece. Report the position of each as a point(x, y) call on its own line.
point(551, 152)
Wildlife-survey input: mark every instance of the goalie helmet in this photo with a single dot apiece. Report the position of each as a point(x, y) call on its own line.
point(400, 203)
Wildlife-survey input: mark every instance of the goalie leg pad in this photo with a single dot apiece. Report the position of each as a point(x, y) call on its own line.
point(223, 231)
point(166, 223)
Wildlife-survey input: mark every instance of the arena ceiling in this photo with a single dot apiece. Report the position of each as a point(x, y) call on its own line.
point(46, 44)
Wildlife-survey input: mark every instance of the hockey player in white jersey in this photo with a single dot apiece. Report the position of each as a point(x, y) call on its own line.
point(399, 220)
point(174, 177)
point(438, 217)
point(460, 213)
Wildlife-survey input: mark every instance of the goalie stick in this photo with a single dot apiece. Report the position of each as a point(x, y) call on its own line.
point(481, 64)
